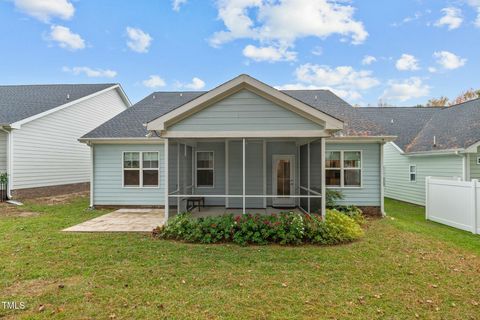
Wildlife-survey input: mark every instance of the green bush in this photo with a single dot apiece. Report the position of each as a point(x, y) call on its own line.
point(285, 228)
point(353, 212)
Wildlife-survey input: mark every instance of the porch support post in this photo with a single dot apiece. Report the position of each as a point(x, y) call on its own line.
point(264, 172)
point(178, 177)
point(92, 174)
point(243, 175)
point(382, 185)
point(227, 200)
point(166, 210)
point(308, 177)
point(324, 190)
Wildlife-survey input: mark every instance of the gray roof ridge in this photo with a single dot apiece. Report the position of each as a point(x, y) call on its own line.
point(59, 84)
point(459, 104)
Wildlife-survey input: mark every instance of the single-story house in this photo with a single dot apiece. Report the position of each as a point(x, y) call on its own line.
point(243, 145)
point(39, 130)
point(437, 142)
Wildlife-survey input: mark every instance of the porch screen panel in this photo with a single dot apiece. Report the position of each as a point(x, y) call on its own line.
point(316, 175)
point(254, 172)
point(235, 173)
point(304, 176)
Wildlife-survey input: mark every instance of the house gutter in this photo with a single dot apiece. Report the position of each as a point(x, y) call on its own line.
point(9, 151)
point(436, 152)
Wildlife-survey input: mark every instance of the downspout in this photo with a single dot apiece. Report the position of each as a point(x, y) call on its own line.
point(9, 161)
point(464, 164)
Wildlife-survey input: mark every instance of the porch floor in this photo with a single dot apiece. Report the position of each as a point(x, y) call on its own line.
point(123, 220)
point(218, 211)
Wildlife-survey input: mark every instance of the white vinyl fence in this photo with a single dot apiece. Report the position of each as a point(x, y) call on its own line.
point(454, 203)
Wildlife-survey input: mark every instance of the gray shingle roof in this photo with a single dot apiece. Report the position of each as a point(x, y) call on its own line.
point(129, 124)
point(413, 126)
point(18, 102)
point(455, 127)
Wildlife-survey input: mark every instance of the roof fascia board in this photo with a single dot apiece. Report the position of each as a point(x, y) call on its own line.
point(234, 85)
point(18, 124)
point(397, 147)
point(361, 139)
point(434, 152)
point(247, 134)
point(121, 140)
point(473, 148)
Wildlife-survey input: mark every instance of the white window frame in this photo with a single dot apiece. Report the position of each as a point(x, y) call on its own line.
point(414, 172)
point(478, 160)
point(140, 169)
point(342, 170)
point(196, 169)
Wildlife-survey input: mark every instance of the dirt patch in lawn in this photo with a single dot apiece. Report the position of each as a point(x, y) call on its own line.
point(38, 287)
point(60, 199)
point(10, 210)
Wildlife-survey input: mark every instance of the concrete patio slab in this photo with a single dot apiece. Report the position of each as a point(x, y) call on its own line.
point(123, 220)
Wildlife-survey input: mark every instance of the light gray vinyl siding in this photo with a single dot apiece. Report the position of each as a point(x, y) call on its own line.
point(46, 151)
point(108, 186)
point(3, 151)
point(244, 111)
point(474, 167)
point(397, 178)
point(369, 193)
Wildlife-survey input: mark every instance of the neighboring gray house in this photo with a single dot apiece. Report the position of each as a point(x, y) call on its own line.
point(243, 145)
point(438, 142)
point(39, 128)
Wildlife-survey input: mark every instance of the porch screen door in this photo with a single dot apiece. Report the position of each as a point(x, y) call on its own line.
point(283, 180)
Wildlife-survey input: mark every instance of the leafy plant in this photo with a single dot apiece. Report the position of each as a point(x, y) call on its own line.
point(3, 177)
point(287, 228)
point(332, 197)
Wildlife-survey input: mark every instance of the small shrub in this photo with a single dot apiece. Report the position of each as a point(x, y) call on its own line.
point(285, 228)
point(353, 212)
point(332, 197)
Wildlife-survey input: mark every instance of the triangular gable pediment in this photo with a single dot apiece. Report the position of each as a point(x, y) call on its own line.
point(243, 84)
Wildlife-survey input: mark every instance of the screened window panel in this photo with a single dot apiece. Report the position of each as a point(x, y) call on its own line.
point(352, 178)
point(332, 159)
point(333, 177)
point(150, 160)
point(352, 159)
point(205, 178)
point(131, 160)
point(131, 178)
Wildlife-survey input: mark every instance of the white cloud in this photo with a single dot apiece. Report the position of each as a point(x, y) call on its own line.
point(176, 4)
point(367, 60)
point(406, 89)
point(154, 81)
point(283, 22)
point(44, 10)
point(452, 18)
point(477, 21)
point(66, 38)
point(139, 41)
point(343, 80)
point(317, 51)
point(449, 60)
point(270, 54)
point(432, 69)
point(91, 73)
point(196, 84)
point(407, 62)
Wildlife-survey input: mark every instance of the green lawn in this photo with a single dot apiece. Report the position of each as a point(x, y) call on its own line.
point(403, 268)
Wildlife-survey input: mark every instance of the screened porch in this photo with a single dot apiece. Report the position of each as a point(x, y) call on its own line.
point(216, 176)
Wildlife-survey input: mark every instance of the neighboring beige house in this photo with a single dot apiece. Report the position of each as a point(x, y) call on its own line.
point(39, 128)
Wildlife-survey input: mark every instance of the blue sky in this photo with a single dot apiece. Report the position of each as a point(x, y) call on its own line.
point(403, 52)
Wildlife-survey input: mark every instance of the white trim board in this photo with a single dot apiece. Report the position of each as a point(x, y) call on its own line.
point(18, 124)
point(236, 84)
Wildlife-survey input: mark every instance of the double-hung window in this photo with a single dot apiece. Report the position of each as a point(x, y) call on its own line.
point(205, 169)
point(413, 173)
point(343, 168)
point(140, 169)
